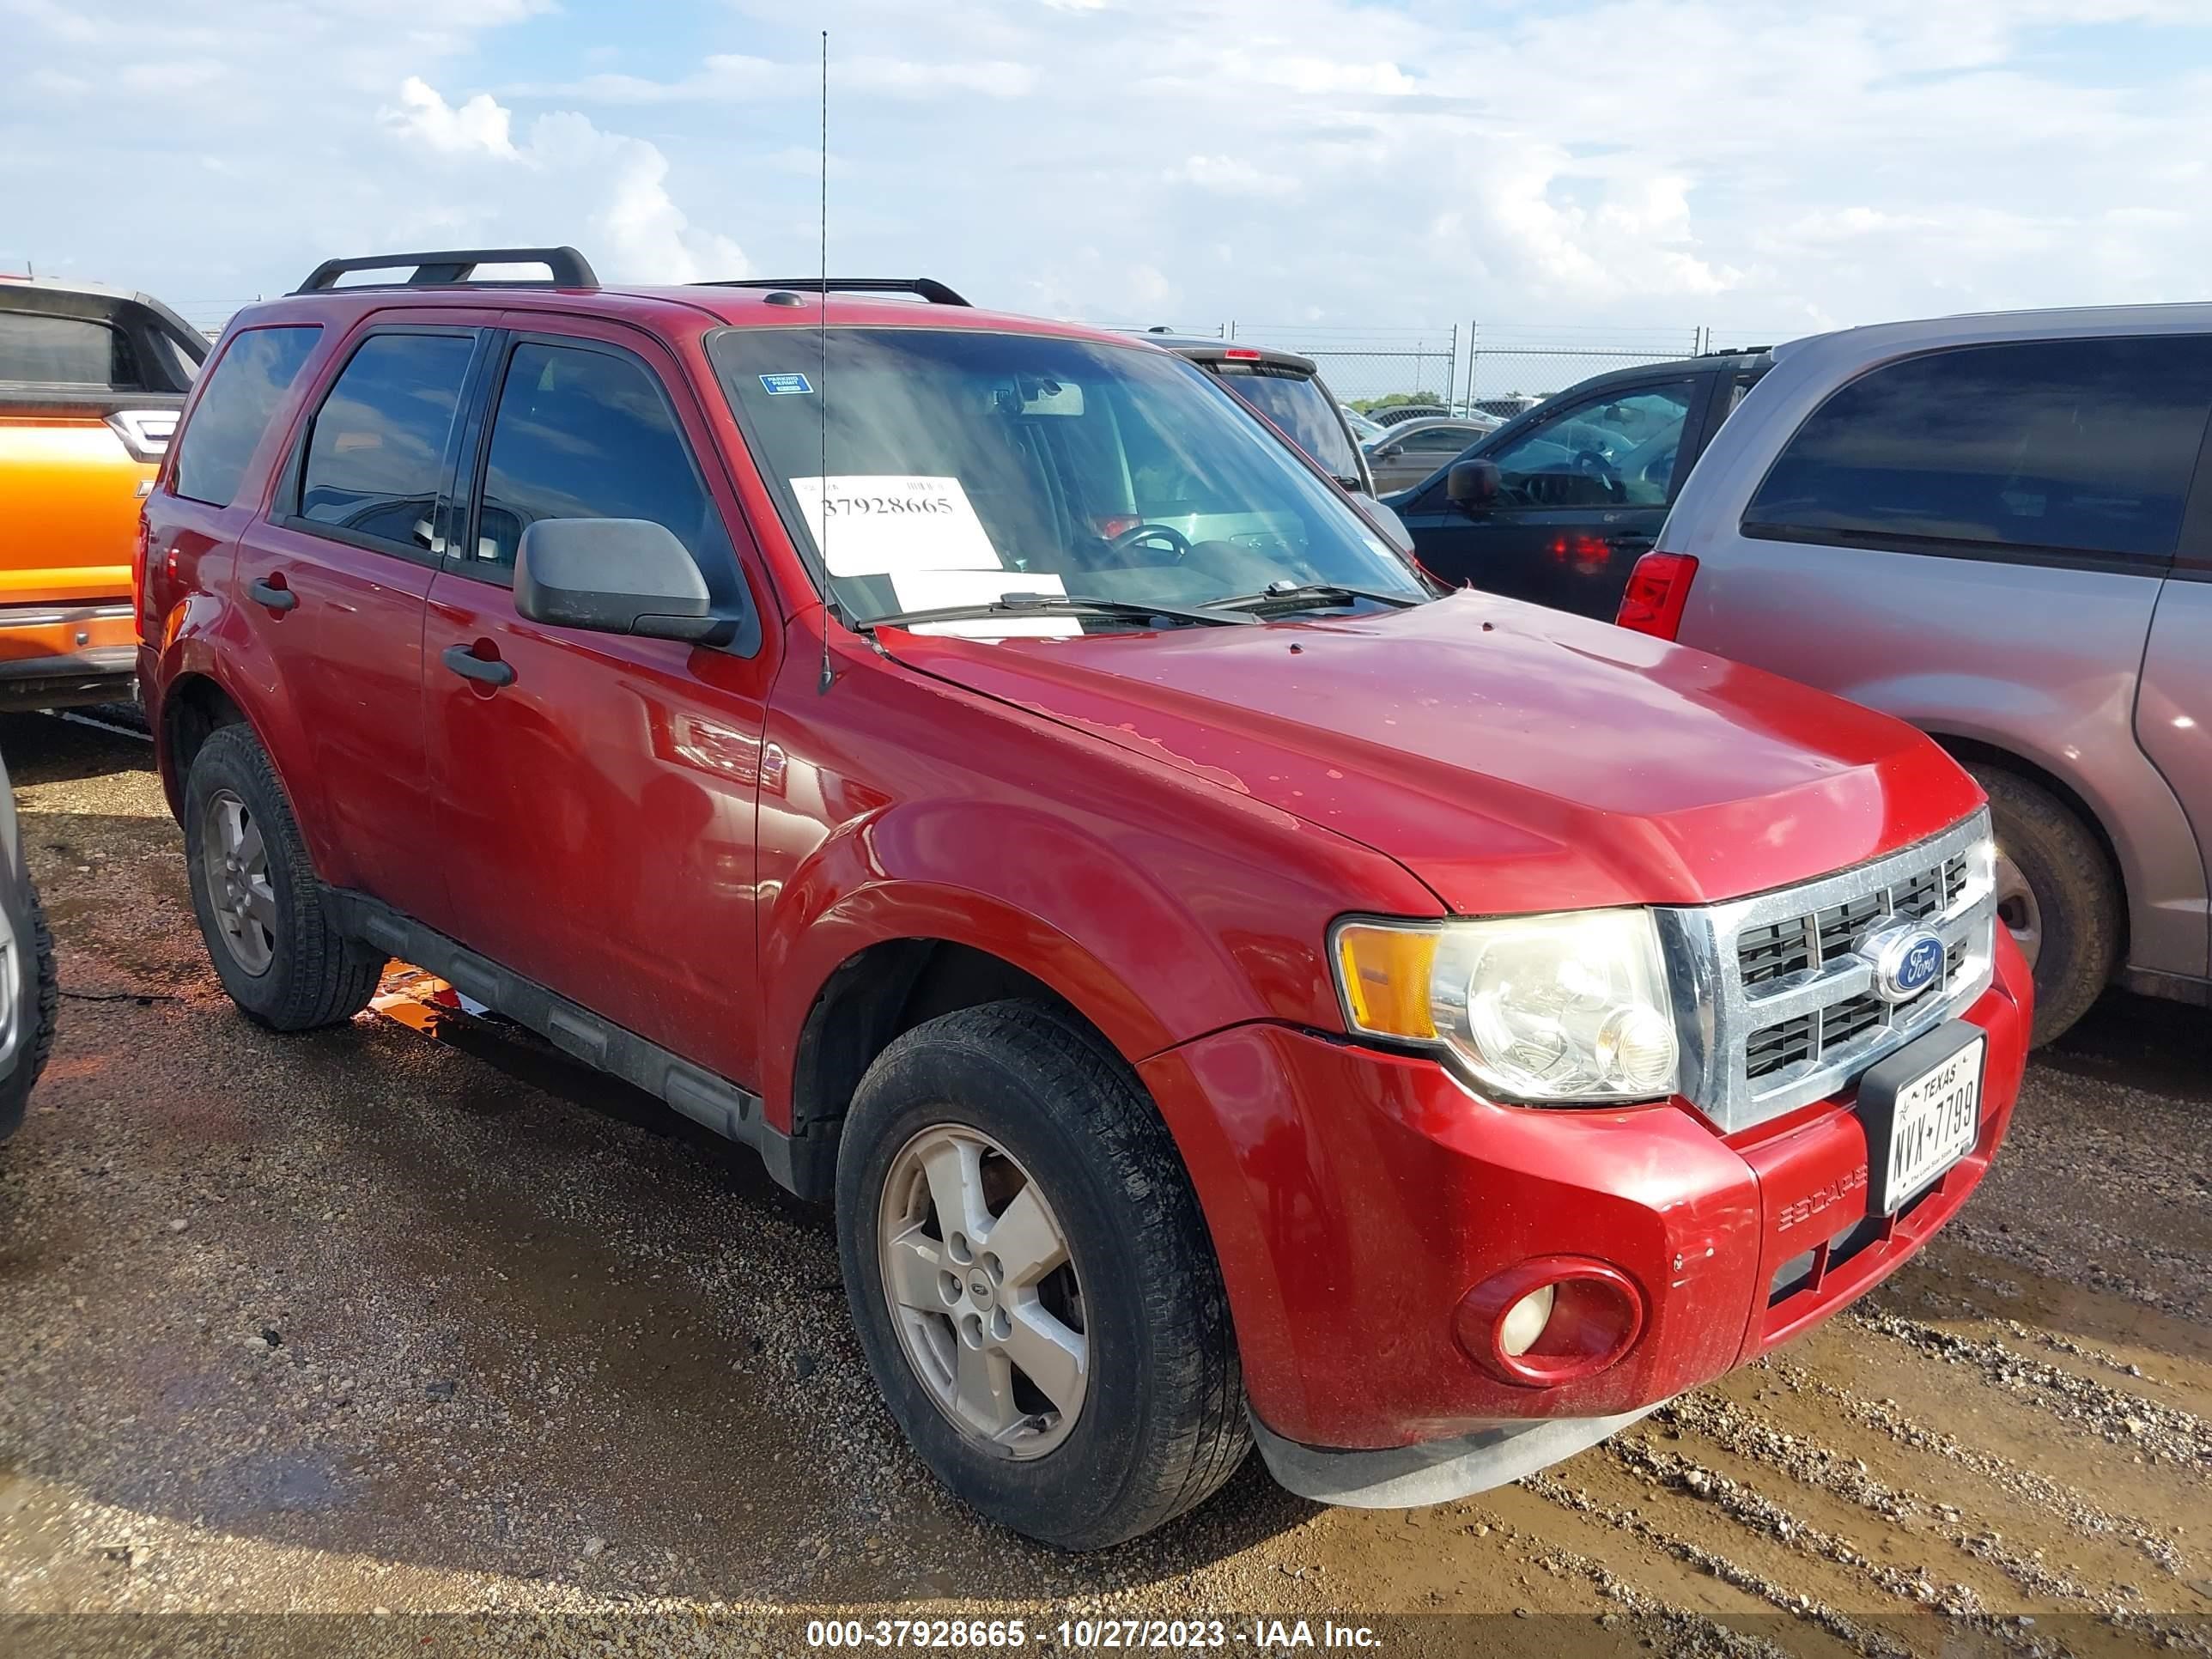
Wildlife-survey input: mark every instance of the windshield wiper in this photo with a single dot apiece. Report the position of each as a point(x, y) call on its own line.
point(1058, 605)
point(1295, 596)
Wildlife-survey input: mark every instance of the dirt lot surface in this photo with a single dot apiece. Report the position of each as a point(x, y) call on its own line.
point(388, 1324)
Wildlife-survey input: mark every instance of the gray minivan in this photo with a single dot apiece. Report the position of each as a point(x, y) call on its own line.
point(2000, 529)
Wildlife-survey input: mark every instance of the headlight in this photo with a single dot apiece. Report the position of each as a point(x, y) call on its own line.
point(1557, 1008)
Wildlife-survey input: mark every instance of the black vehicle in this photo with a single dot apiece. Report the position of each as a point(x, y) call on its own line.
point(29, 992)
point(1556, 505)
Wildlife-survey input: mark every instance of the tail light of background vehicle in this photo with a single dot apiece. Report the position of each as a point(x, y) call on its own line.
point(1658, 589)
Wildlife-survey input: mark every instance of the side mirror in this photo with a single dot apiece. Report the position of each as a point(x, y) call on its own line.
point(1386, 519)
point(616, 576)
point(1472, 485)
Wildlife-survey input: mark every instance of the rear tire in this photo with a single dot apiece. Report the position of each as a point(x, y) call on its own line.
point(261, 909)
point(2063, 907)
point(1156, 1421)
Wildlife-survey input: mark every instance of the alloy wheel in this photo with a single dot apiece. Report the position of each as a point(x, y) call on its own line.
point(2017, 910)
point(235, 860)
point(982, 1291)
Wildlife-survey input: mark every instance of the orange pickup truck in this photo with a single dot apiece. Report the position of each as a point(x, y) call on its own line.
point(91, 381)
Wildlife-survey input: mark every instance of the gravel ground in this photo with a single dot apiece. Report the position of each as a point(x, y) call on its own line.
point(432, 1331)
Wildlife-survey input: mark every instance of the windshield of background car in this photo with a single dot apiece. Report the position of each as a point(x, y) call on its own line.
point(964, 465)
point(1296, 403)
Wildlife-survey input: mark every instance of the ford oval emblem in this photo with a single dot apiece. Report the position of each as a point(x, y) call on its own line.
point(1907, 962)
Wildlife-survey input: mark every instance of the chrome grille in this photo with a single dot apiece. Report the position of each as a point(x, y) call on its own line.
point(1781, 1006)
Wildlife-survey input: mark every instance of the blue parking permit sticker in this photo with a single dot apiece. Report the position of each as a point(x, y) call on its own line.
point(780, 385)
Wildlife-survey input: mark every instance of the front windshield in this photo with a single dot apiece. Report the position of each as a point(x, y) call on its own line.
point(963, 466)
point(1296, 403)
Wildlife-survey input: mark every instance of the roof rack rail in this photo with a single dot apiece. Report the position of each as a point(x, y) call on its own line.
point(927, 287)
point(566, 267)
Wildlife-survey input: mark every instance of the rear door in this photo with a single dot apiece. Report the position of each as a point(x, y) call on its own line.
point(2173, 710)
point(1581, 493)
point(333, 578)
point(598, 791)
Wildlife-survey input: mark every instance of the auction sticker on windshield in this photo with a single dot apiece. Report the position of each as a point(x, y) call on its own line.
point(870, 525)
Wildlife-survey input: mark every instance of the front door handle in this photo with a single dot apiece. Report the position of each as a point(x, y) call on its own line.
point(487, 670)
point(267, 592)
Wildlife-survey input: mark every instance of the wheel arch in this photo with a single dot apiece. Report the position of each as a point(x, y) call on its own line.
point(888, 987)
point(194, 707)
point(1981, 752)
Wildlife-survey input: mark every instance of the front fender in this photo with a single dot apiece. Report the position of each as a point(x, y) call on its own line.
point(1086, 919)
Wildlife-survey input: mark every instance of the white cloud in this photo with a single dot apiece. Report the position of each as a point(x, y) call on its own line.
point(423, 116)
point(1231, 176)
point(1318, 163)
point(616, 185)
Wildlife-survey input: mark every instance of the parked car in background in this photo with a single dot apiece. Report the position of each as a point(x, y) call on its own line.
point(1409, 452)
point(976, 751)
point(91, 380)
point(1557, 505)
point(1390, 414)
point(30, 992)
point(2000, 529)
point(1288, 391)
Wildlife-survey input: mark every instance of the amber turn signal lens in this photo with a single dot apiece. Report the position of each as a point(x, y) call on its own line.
point(1385, 972)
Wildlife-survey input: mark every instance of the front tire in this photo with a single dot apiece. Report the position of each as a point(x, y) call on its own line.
point(1031, 1279)
point(261, 909)
point(2057, 895)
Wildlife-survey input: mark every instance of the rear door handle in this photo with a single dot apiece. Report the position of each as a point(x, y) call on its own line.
point(465, 662)
point(268, 594)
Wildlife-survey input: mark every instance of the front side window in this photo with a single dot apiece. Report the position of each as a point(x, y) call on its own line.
point(965, 464)
point(2082, 445)
point(581, 433)
point(376, 454)
point(257, 369)
point(1612, 451)
point(1296, 403)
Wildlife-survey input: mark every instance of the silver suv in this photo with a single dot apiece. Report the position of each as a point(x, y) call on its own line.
point(2000, 529)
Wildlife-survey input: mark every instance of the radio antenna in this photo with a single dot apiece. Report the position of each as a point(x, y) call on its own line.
point(822, 382)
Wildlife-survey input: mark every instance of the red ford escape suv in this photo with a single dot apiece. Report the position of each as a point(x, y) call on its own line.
point(1229, 991)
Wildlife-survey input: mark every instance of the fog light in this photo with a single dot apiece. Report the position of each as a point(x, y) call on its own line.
point(1525, 1319)
point(1550, 1320)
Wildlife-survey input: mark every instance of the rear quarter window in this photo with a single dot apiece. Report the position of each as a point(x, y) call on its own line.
point(243, 391)
point(2081, 445)
point(78, 352)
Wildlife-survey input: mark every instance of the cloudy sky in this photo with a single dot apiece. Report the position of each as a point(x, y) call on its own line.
point(1759, 167)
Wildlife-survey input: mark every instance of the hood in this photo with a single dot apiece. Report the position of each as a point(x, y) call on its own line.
point(1514, 758)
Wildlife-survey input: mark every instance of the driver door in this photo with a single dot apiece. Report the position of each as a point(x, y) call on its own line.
point(1581, 493)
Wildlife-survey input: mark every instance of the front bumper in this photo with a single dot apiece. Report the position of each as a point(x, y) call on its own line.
point(1355, 1197)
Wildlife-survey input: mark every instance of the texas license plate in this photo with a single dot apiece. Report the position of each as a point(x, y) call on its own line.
point(1921, 1109)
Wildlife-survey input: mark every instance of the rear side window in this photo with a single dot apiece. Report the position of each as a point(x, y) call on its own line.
point(587, 435)
point(376, 453)
point(70, 351)
point(2086, 446)
point(243, 390)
